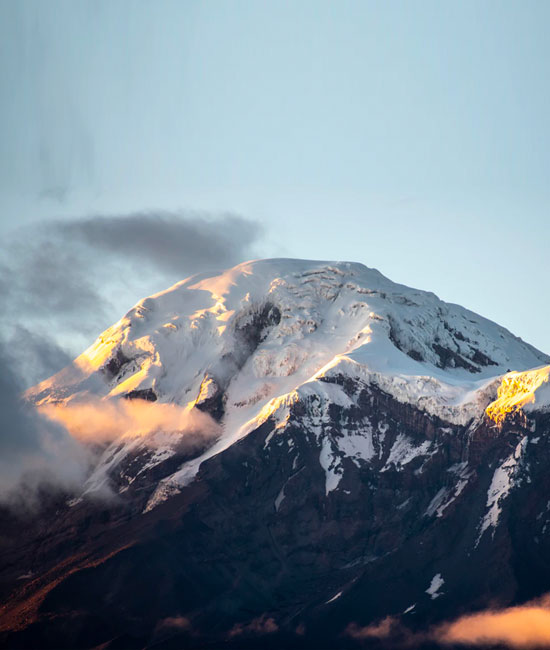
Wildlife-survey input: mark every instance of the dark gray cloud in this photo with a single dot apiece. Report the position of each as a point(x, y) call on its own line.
point(62, 267)
point(65, 281)
point(45, 277)
point(37, 355)
point(33, 450)
point(61, 280)
point(45, 293)
point(182, 244)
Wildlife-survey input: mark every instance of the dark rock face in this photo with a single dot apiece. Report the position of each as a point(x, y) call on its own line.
point(263, 550)
point(250, 330)
point(450, 359)
point(115, 364)
point(215, 404)
point(147, 394)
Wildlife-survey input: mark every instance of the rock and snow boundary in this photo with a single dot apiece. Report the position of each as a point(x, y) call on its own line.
point(244, 344)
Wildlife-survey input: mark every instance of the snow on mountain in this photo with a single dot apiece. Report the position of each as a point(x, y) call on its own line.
point(501, 485)
point(245, 344)
point(370, 440)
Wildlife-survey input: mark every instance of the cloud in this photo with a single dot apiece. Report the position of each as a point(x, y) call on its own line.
point(64, 281)
point(519, 627)
point(257, 626)
point(175, 243)
point(49, 276)
point(100, 421)
point(48, 444)
point(172, 626)
point(174, 623)
point(523, 626)
point(37, 355)
point(380, 630)
point(33, 450)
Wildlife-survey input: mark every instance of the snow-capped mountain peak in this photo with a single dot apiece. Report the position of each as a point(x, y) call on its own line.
point(287, 446)
point(239, 344)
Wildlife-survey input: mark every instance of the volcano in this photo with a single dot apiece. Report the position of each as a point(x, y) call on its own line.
point(286, 454)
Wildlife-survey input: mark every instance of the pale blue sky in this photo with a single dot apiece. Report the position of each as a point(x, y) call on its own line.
point(411, 136)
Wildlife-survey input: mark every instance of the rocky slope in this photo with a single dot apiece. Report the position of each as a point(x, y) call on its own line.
point(301, 449)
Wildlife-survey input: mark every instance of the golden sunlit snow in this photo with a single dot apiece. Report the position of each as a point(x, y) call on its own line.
point(516, 390)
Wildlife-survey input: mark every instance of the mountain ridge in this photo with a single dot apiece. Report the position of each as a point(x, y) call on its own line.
point(259, 331)
point(286, 450)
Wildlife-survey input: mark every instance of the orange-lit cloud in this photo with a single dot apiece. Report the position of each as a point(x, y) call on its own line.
point(174, 623)
point(103, 421)
point(381, 630)
point(525, 626)
point(258, 626)
point(522, 627)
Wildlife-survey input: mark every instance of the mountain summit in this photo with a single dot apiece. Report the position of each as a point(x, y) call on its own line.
point(293, 451)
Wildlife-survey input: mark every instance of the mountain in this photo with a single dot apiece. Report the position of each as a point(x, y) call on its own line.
point(285, 454)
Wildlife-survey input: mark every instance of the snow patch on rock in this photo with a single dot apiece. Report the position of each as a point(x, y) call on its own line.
point(404, 450)
point(435, 585)
point(501, 485)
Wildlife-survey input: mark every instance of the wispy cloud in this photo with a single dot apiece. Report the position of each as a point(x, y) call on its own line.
point(33, 450)
point(64, 281)
point(174, 243)
point(101, 421)
point(60, 284)
point(35, 354)
point(380, 630)
point(256, 627)
point(49, 444)
point(174, 623)
point(519, 628)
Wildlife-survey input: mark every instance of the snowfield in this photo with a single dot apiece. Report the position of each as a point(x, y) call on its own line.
point(245, 344)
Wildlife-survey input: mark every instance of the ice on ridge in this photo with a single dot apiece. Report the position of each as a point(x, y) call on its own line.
point(333, 319)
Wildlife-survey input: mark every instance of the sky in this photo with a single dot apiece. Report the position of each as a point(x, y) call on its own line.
point(410, 136)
